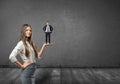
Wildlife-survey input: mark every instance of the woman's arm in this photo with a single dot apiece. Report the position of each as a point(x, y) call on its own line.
point(14, 53)
point(43, 48)
point(18, 64)
point(41, 51)
point(22, 65)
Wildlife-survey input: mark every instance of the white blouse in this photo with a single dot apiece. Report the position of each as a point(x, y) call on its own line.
point(20, 50)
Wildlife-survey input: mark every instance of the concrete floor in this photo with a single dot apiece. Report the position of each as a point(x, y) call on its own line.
point(64, 76)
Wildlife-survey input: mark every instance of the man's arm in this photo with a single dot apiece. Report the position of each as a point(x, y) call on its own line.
point(51, 28)
point(44, 28)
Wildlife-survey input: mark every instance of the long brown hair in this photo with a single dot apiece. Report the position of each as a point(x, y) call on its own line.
point(24, 39)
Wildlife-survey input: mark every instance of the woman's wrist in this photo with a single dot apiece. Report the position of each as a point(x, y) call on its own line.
point(22, 66)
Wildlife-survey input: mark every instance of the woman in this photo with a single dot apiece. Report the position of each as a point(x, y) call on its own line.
point(27, 50)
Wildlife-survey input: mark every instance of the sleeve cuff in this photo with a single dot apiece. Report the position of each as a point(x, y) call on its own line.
point(13, 59)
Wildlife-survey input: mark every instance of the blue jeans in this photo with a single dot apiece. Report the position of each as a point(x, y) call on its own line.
point(27, 75)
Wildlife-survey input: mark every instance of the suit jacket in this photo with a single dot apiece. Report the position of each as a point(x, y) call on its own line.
point(51, 28)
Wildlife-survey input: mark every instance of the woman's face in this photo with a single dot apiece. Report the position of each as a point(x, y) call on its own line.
point(28, 32)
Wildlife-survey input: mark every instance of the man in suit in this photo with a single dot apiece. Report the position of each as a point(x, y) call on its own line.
point(48, 30)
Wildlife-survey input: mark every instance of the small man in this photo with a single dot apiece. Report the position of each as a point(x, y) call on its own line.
point(48, 30)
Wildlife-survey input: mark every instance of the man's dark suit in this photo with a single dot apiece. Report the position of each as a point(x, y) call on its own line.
point(47, 34)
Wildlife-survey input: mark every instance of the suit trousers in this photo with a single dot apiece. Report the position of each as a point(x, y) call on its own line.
point(47, 36)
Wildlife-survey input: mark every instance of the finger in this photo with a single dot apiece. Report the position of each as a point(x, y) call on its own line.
point(49, 44)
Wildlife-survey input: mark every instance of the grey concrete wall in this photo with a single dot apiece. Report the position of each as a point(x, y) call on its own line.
point(86, 32)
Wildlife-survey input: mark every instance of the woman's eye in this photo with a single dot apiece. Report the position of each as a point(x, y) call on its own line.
point(29, 30)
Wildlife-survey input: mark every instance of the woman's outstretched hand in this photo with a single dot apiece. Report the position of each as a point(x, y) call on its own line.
point(48, 44)
point(43, 47)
